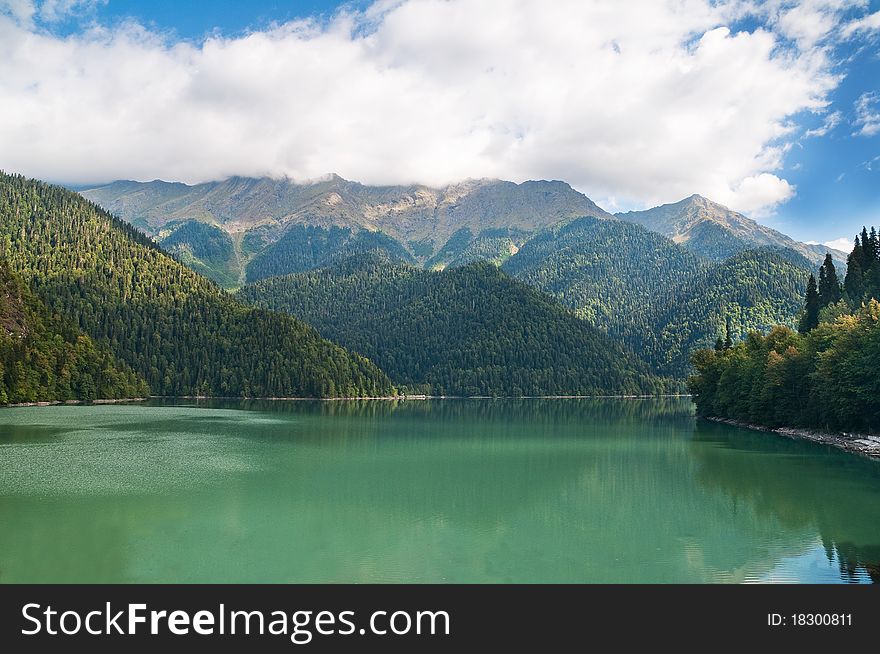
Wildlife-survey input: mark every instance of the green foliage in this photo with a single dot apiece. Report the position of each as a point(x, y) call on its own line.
point(470, 330)
point(812, 305)
point(829, 286)
point(862, 280)
point(303, 248)
point(173, 327)
point(608, 271)
point(493, 245)
point(751, 291)
point(828, 378)
point(44, 358)
point(207, 249)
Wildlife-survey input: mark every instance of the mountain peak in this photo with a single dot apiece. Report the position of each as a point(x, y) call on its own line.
point(715, 231)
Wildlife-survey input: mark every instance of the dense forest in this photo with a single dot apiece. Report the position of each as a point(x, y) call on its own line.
point(826, 375)
point(205, 248)
point(657, 297)
point(607, 271)
point(174, 328)
point(495, 245)
point(45, 358)
point(303, 248)
point(470, 330)
point(751, 291)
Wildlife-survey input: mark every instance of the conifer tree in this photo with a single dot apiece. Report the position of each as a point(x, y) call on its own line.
point(728, 341)
point(854, 283)
point(867, 247)
point(810, 317)
point(719, 344)
point(829, 285)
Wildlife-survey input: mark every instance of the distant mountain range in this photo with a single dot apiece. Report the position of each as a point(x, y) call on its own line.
point(714, 231)
point(661, 282)
point(252, 228)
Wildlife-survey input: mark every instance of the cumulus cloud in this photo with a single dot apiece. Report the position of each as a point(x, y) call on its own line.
point(643, 101)
point(843, 244)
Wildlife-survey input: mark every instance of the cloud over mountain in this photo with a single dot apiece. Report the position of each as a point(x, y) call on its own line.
point(632, 103)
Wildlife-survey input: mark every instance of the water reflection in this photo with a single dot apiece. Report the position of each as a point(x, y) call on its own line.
point(803, 486)
point(424, 491)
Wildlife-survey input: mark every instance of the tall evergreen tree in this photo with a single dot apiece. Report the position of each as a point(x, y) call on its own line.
point(829, 285)
point(728, 340)
point(854, 283)
point(868, 246)
point(810, 317)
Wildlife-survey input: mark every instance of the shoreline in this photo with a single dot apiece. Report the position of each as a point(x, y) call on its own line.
point(863, 444)
point(74, 402)
point(383, 398)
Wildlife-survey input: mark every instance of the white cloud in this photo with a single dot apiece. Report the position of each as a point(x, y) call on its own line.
point(24, 12)
point(868, 114)
point(21, 11)
point(843, 244)
point(643, 101)
point(868, 23)
point(831, 121)
point(757, 194)
point(808, 22)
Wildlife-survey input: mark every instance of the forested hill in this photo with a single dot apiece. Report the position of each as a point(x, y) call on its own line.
point(826, 376)
point(751, 291)
point(173, 327)
point(607, 271)
point(656, 296)
point(465, 331)
point(46, 358)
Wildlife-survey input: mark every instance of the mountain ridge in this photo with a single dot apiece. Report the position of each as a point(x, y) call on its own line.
point(700, 223)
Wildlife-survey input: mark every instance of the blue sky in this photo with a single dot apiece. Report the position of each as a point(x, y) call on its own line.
point(195, 19)
point(775, 112)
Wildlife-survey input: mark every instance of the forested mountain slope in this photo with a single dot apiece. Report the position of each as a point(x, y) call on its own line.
point(173, 327)
point(752, 291)
point(45, 358)
point(606, 271)
point(654, 295)
point(470, 330)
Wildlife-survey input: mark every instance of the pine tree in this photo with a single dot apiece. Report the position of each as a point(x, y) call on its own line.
point(868, 246)
point(728, 341)
point(854, 283)
point(810, 317)
point(829, 285)
point(719, 344)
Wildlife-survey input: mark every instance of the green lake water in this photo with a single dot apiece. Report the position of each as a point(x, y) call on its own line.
point(617, 490)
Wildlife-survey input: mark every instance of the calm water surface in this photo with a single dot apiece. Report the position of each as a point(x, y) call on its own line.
point(425, 491)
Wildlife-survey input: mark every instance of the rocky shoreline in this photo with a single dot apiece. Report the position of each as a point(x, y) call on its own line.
point(864, 444)
point(124, 400)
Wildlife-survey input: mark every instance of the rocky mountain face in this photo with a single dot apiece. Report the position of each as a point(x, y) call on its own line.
point(421, 218)
point(716, 232)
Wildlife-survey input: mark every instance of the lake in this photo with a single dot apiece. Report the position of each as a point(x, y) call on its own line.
point(544, 490)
